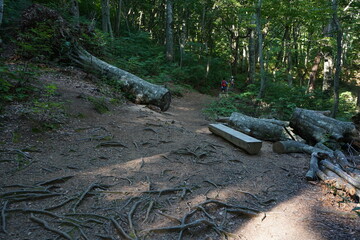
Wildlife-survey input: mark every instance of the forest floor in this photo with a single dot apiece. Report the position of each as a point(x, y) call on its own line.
point(118, 174)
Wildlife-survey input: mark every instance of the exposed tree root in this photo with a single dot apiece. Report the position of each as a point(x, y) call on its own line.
point(49, 228)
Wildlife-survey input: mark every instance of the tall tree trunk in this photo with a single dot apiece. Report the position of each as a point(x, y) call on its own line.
point(338, 58)
point(169, 31)
point(313, 73)
point(74, 11)
point(1, 15)
point(118, 18)
point(106, 23)
point(261, 56)
point(252, 58)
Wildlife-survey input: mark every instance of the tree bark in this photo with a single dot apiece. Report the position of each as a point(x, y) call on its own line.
point(313, 73)
point(142, 92)
point(341, 173)
point(169, 31)
point(264, 129)
point(291, 146)
point(252, 59)
point(118, 18)
point(1, 10)
point(261, 55)
point(314, 167)
point(315, 127)
point(106, 23)
point(338, 58)
point(337, 182)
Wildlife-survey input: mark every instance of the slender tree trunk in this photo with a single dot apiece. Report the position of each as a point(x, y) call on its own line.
point(104, 5)
point(1, 16)
point(261, 56)
point(1, 11)
point(313, 73)
point(106, 23)
point(338, 58)
point(169, 31)
point(252, 59)
point(118, 18)
point(74, 11)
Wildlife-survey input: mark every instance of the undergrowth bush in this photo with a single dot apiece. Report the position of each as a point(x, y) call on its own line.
point(279, 102)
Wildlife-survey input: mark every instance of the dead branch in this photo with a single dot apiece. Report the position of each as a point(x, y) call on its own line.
point(314, 166)
point(341, 173)
point(51, 229)
point(120, 229)
point(341, 159)
point(339, 183)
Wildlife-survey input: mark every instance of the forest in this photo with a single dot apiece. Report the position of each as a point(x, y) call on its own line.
point(107, 112)
point(282, 54)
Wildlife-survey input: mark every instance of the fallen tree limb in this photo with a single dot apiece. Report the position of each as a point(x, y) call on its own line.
point(341, 173)
point(291, 146)
point(314, 167)
point(339, 183)
point(341, 159)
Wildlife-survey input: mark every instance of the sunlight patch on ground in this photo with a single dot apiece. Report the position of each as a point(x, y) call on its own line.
point(203, 130)
point(287, 220)
point(185, 108)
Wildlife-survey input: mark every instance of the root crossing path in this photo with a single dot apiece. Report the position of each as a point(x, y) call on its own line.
point(134, 173)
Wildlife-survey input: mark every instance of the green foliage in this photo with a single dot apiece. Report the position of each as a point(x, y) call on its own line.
point(16, 85)
point(356, 210)
point(95, 42)
point(40, 41)
point(100, 104)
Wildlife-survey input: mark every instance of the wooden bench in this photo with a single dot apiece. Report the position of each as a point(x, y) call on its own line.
point(249, 144)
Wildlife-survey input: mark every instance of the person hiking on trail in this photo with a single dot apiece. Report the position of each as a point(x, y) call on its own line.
point(232, 82)
point(224, 86)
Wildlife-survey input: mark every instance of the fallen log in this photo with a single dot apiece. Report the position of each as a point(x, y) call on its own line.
point(338, 182)
point(314, 167)
point(264, 129)
point(245, 142)
point(341, 159)
point(291, 146)
point(341, 173)
point(139, 90)
point(142, 91)
point(314, 126)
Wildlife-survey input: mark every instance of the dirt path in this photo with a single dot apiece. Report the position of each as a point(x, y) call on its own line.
point(124, 159)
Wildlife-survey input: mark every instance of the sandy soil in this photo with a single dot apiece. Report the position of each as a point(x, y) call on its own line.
point(143, 170)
